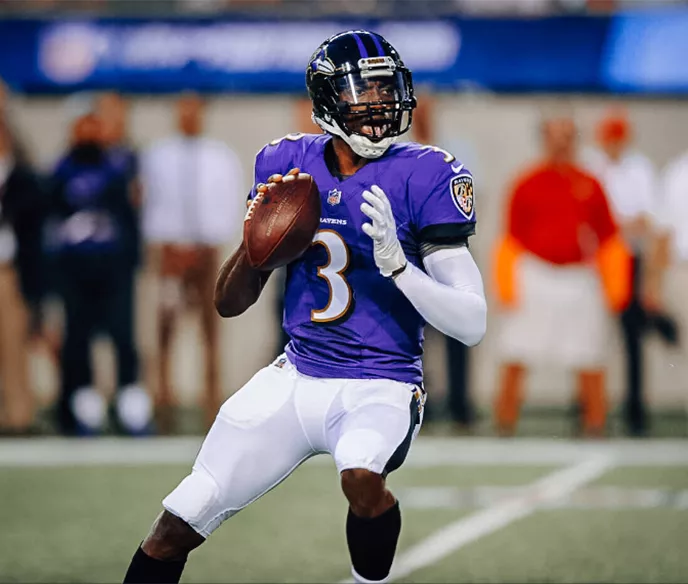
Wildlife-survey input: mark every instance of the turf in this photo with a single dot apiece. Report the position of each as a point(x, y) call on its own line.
point(575, 546)
point(669, 477)
point(83, 524)
point(466, 476)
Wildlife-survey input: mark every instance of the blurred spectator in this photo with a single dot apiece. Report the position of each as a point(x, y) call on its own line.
point(4, 98)
point(606, 6)
point(18, 151)
point(558, 227)
point(192, 195)
point(113, 113)
point(94, 237)
point(520, 7)
point(201, 6)
point(22, 214)
point(670, 248)
point(629, 180)
point(457, 354)
point(304, 121)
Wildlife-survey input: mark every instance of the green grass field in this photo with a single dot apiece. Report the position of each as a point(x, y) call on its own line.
point(75, 512)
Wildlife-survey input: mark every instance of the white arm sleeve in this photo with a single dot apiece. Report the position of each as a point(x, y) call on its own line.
point(451, 297)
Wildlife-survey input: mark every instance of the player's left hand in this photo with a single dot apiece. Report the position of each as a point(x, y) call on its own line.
point(389, 257)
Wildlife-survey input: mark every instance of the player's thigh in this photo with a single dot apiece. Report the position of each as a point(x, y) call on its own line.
point(254, 444)
point(378, 421)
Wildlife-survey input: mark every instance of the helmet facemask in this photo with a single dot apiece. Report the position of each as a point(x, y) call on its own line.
point(369, 106)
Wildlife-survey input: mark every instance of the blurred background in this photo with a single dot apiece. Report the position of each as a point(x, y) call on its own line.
point(128, 130)
point(165, 76)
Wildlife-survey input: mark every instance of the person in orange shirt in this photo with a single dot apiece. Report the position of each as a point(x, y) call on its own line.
point(559, 268)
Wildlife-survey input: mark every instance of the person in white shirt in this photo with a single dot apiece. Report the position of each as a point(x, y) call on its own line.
point(671, 220)
point(192, 192)
point(668, 288)
point(629, 179)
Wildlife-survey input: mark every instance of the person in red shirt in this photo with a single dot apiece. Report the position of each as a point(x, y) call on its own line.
point(560, 268)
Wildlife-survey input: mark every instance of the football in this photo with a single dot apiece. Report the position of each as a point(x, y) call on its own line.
point(280, 223)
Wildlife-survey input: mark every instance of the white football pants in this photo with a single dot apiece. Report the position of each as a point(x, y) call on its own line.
point(279, 419)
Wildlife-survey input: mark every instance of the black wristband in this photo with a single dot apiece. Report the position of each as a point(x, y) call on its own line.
point(398, 271)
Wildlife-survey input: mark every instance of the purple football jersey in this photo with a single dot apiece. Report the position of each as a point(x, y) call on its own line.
point(344, 319)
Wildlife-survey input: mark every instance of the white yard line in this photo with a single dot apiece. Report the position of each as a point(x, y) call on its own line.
point(456, 535)
point(426, 452)
point(586, 498)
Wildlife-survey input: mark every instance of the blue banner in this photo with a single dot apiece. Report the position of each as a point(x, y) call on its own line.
point(648, 53)
point(550, 54)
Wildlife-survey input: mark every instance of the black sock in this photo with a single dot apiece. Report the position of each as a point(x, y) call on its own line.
point(146, 570)
point(372, 542)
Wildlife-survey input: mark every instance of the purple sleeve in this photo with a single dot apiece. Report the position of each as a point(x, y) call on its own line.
point(275, 158)
point(442, 200)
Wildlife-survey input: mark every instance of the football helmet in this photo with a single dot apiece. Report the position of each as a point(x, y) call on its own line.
point(361, 91)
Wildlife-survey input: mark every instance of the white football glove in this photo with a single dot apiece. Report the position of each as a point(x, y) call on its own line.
point(389, 257)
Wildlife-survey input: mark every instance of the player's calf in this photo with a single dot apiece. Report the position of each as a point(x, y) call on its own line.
point(372, 525)
point(161, 557)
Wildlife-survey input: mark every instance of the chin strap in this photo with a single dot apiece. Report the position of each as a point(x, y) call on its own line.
point(361, 145)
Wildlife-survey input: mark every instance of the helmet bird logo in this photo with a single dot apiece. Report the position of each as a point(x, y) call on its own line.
point(321, 64)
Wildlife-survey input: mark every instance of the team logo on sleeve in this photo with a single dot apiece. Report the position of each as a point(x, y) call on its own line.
point(461, 188)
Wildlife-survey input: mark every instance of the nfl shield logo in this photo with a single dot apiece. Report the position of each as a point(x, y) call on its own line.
point(334, 197)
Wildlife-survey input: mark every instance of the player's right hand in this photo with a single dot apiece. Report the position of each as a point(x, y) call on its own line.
point(275, 178)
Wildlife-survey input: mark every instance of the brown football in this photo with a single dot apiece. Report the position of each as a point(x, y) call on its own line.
point(280, 223)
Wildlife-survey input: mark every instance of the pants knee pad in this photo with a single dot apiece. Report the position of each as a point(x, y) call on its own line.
point(197, 502)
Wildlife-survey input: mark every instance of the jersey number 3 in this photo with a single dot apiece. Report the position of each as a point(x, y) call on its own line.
point(332, 272)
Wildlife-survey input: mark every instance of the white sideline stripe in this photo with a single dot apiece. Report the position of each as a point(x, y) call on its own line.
point(63, 452)
point(426, 452)
point(456, 535)
point(545, 451)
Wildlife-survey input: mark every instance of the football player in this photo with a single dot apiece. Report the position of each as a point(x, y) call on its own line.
point(391, 254)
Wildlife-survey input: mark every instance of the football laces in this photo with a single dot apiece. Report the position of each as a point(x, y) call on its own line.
point(252, 206)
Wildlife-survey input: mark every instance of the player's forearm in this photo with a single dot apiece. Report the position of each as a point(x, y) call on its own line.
point(454, 305)
point(238, 285)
